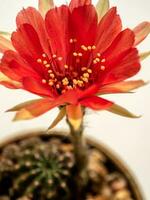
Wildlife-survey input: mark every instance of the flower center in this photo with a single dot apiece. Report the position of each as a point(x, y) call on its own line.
point(80, 71)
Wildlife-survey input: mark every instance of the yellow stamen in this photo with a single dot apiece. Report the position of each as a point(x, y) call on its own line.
point(65, 81)
point(85, 80)
point(39, 60)
point(89, 71)
point(80, 54)
point(93, 47)
point(75, 81)
point(80, 83)
point(51, 83)
point(60, 58)
point(86, 75)
point(84, 48)
point(49, 71)
point(69, 87)
point(103, 68)
point(103, 60)
point(57, 86)
point(89, 47)
point(98, 54)
point(71, 41)
point(83, 68)
point(75, 54)
point(44, 55)
point(45, 62)
point(54, 56)
point(66, 66)
point(44, 81)
point(47, 65)
point(97, 59)
point(52, 75)
point(94, 61)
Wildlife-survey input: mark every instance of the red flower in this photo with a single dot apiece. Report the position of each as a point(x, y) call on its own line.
point(70, 57)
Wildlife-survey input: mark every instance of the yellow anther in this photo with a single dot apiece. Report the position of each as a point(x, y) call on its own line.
point(103, 68)
point(93, 47)
point(83, 68)
point(45, 62)
point(47, 65)
point(59, 58)
point(89, 71)
point(44, 81)
point(65, 81)
point(75, 54)
point(85, 80)
point(75, 81)
point(69, 87)
point(80, 83)
point(95, 61)
point(49, 71)
point(54, 56)
point(84, 48)
point(98, 59)
point(71, 41)
point(103, 60)
point(51, 83)
point(44, 55)
point(80, 54)
point(86, 75)
point(52, 75)
point(98, 54)
point(89, 47)
point(57, 86)
point(39, 60)
point(66, 66)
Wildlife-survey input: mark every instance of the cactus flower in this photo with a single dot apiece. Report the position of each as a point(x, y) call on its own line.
point(70, 56)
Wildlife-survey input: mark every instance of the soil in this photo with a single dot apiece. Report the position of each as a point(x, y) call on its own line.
point(42, 167)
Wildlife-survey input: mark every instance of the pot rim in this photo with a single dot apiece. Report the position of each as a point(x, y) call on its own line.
point(111, 154)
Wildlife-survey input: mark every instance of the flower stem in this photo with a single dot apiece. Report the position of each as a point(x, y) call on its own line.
point(81, 159)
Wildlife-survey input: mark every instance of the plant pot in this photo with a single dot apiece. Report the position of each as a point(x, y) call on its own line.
point(113, 163)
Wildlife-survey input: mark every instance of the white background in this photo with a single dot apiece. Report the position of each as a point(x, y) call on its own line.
point(130, 138)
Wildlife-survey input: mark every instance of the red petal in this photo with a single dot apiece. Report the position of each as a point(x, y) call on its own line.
point(141, 32)
point(84, 24)
point(109, 27)
point(13, 66)
point(33, 17)
point(58, 30)
point(96, 103)
point(70, 97)
point(26, 42)
point(76, 3)
point(92, 90)
point(125, 68)
point(37, 87)
point(123, 42)
point(5, 44)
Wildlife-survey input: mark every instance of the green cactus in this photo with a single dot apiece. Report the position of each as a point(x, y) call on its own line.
point(36, 169)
